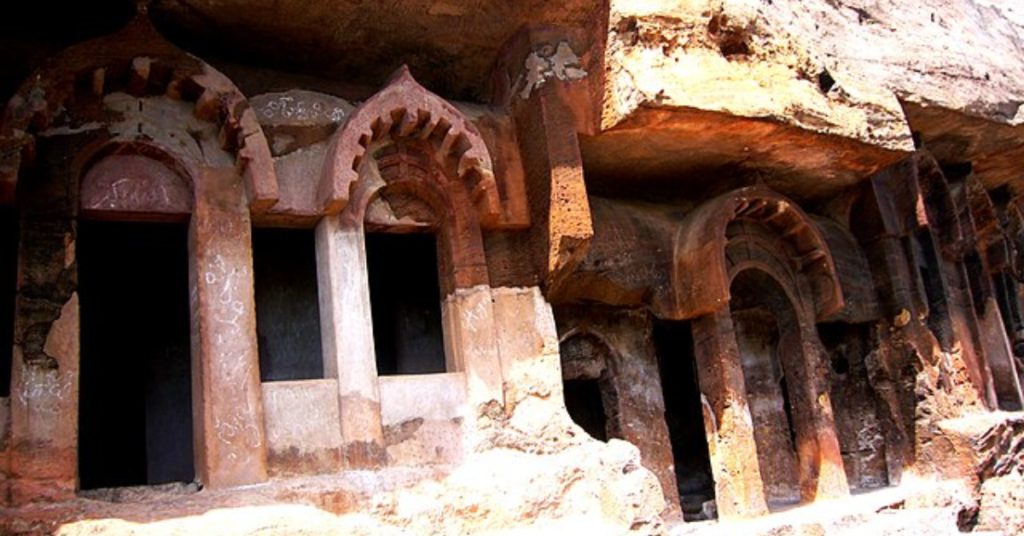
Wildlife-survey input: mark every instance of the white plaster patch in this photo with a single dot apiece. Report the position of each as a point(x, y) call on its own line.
point(69, 131)
point(549, 62)
point(302, 414)
point(706, 406)
point(300, 107)
point(44, 391)
point(437, 397)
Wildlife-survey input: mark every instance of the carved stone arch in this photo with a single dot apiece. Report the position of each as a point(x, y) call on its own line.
point(754, 246)
point(700, 273)
point(66, 105)
point(67, 94)
point(404, 109)
point(399, 172)
point(419, 164)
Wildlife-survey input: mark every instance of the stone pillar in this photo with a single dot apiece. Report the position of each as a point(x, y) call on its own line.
point(43, 454)
point(996, 344)
point(739, 490)
point(346, 327)
point(548, 113)
point(471, 343)
point(230, 446)
point(43, 442)
point(822, 473)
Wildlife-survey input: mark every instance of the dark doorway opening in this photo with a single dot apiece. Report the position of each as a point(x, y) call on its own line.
point(405, 301)
point(135, 407)
point(684, 416)
point(586, 407)
point(8, 288)
point(287, 304)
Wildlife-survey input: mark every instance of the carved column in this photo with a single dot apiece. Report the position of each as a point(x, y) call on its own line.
point(467, 307)
point(548, 89)
point(996, 343)
point(346, 327)
point(227, 403)
point(739, 490)
point(822, 474)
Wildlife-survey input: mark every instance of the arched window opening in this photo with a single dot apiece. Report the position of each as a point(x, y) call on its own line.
point(405, 300)
point(287, 304)
point(765, 324)
point(684, 416)
point(8, 289)
point(135, 407)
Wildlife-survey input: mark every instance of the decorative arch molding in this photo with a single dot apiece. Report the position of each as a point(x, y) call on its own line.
point(404, 109)
point(139, 62)
point(752, 249)
point(701, 271)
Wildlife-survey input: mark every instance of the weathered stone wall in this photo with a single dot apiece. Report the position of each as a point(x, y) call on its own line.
point(635, 407)
point(742, 169)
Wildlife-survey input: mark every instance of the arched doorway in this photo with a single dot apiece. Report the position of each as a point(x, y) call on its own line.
point(135, 409)
point(135, 397)
point(768, 340)
point(755, 275)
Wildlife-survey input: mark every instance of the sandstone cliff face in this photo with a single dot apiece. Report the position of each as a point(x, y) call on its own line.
point(826, 65)
point(861, 71)
point(746, 58)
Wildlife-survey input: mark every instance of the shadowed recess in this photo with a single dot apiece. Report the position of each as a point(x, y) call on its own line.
point(135, 407)
point(406, 303)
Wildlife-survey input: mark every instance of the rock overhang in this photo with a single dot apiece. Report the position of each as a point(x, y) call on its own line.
point(808, 97)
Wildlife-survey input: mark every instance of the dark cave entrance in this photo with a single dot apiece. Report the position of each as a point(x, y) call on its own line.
point(587, 387)
point(585, 405)
point(405, 302)
point(135, 406)
point(684, 416)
